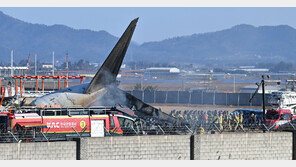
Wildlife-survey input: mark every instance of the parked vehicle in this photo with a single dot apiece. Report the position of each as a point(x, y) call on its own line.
point(283, 111)
point(278, 117)
point(69, 121)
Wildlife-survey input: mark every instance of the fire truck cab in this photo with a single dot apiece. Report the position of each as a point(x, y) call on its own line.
point(283, 104)
point(278, 117)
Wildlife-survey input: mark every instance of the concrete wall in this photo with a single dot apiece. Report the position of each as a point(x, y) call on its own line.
point(136, 148)
point(38, 151)
point(243, 146)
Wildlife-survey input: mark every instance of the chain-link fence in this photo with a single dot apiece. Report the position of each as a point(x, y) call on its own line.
point(36, 135)
point(65, 124)
point(213, 121)
point(199, 97)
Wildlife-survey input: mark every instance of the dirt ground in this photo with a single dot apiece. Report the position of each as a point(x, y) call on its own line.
point(167, 108)
point(160, 86)
point(165, 86)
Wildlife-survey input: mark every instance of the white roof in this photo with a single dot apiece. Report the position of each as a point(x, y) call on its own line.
point(170, 69)
point(14, 68)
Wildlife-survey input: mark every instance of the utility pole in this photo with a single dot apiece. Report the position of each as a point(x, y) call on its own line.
point(293, 83)
point(263, 98)
point(233, 83)
point(52, 63)
point(11, 61)
point(35, 64)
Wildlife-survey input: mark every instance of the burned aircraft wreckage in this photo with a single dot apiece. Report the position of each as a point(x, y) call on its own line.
point(103, 91)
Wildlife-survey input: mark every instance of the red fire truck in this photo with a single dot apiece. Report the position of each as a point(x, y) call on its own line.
point(283, 108)
point(278, 117)
point(69, 121)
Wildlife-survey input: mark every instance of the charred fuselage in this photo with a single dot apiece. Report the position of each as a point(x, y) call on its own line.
point(103, 91)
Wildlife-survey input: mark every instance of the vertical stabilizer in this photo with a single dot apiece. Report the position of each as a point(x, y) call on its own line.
point(110, 68)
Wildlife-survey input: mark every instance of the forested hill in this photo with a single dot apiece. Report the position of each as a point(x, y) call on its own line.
point(241, 43)
point(24, 37)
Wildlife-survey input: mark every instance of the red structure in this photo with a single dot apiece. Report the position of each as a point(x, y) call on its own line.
point(20, 77)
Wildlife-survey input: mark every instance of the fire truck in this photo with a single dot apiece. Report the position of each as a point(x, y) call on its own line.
point(67, 123)
point(283, 108)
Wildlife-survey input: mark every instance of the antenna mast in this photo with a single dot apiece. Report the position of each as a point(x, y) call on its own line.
point(35, 64)
point(52, 63)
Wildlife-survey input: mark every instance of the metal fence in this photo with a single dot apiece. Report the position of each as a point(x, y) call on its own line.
point(199, 97)
point(193, 128)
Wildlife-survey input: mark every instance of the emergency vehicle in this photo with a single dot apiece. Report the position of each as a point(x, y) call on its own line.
point(283, 108)
point(277, 117)
point(71, 122)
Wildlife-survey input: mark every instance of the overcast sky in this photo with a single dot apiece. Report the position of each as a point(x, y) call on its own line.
point(155, 23)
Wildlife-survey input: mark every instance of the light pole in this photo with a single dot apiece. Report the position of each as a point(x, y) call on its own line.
point(35, 64)
point(233, 83)
point(52, 63)
point(263, 98)
point(11, 61)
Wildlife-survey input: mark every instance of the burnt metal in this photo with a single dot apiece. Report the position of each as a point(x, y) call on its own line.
point(104, 86)
point(144, 110)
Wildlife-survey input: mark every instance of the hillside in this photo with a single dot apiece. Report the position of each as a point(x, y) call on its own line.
point(239, 44)
point(36, 38)
point(242, 43)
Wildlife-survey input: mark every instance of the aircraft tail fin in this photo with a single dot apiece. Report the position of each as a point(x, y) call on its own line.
point(110, 68)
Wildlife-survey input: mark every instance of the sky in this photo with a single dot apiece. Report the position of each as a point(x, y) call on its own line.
point(158, 23)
